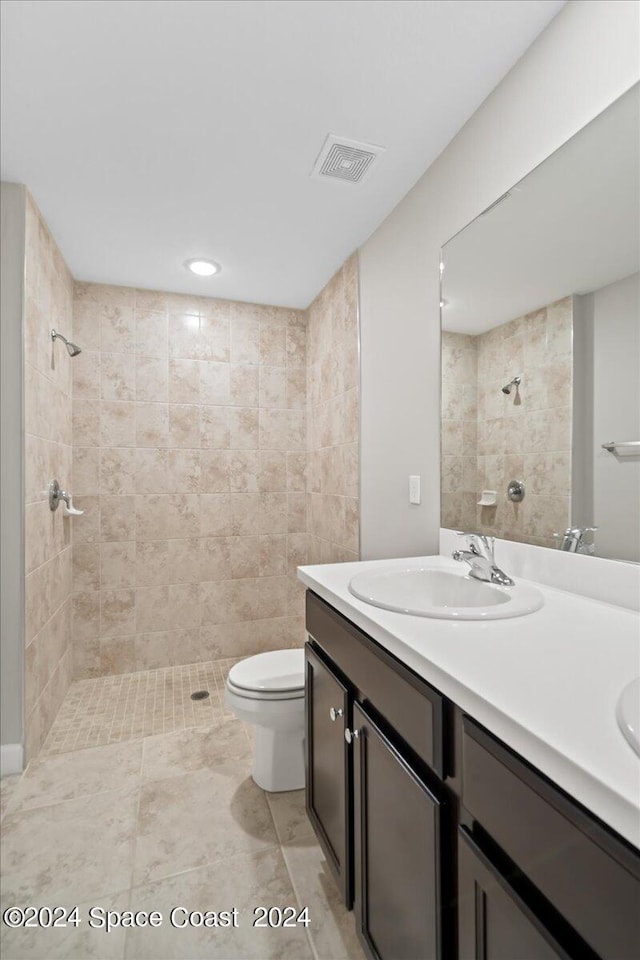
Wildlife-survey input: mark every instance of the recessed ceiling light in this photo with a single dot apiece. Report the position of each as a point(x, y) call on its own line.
point(202, 268)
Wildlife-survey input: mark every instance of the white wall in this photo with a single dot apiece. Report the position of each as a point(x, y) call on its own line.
point(616, 416)
point(11, 478)
point(584, 60)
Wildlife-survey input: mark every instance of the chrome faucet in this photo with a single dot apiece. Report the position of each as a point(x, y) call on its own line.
point(572, 540)
point(480, 558)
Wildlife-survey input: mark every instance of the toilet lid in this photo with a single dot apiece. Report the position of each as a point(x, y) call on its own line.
point(275, 671)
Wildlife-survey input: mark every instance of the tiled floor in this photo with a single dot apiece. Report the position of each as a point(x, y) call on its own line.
point(162, 821)
point(135, 705)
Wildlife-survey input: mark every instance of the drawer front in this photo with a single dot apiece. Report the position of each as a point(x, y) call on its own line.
point(589, 876)
point(408, 704)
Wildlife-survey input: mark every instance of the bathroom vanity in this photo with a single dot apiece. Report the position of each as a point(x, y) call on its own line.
point(465, 805)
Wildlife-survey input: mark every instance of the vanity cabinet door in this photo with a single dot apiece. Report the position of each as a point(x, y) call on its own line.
point(328, 779)
point(397, 819)
point(494, 923)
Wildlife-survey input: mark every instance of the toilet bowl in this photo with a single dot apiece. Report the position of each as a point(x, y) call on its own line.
point(268, 691)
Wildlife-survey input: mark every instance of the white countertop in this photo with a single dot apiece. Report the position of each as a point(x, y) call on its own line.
point(546, 684)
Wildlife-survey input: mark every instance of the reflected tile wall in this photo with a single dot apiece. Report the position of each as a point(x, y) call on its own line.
point(47, 409)
point(333, 399)
point(189, 447)
point(459, 464)
point(524, 435)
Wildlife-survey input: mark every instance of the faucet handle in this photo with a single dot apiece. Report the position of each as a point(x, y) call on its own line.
point(479, 543)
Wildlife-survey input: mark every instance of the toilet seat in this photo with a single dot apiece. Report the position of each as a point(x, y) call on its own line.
point(263, 695)
point(276, 675)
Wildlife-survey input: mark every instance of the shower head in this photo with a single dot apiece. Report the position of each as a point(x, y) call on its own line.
point(508, 387)
point(72, 348)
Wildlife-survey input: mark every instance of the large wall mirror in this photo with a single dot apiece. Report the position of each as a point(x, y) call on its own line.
point(540, 313)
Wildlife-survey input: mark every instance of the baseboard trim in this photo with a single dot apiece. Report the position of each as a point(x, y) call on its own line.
point(11, 759)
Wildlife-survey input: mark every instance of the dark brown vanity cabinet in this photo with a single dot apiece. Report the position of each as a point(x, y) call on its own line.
point(580, 882)
point(495, 923)
point(328, 772)
point(396, 849)
point(377, 807)
point(447, 844)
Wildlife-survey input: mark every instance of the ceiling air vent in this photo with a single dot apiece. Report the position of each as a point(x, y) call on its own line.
point(345, 160)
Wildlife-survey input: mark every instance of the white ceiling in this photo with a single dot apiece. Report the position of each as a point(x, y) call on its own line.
point(152, 131)
point(570, 227)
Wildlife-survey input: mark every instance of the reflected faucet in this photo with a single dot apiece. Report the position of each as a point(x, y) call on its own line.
point(572, 540)
point(481, 560)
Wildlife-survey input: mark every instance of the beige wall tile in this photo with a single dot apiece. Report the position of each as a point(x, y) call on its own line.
point(117, 518)
point(117, 423)
point(273, 387)
point(87, 527)
point(184, 426)
point(214, 428)
point(48, 376)
point(152, 562)
point(201, 434)
point(244, 384)
point(184, 470)
point(117, 377)
point(117, 564)
point(215, 558)
point(330, 470)
point(152, 608)
point(243, 428)
point(216, 468)
point(214, 337)
point(117, 328)
point(151, 424)
point(152, 333)
point(86, 421)
point(184, 560)
point(86, 567)
point(525, 435)
point(117, 655)
point(117, 613)
point(151, 470)
point(151, 517)
point(245, 338)
point(86, 374)
point(184, 381)
point(86, 617)
point(86, 471)
point(214, 383)
point(118, 468)
point(272, 340)
point(151, 379)
point(184, 336)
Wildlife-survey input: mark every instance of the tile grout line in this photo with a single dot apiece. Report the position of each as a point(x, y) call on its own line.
point(294, 887)
point(289, 874)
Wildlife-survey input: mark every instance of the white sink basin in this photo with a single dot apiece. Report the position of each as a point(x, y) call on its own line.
point(445, 594)
point(628, 713)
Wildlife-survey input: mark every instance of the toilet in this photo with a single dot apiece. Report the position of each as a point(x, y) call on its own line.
point(268, 691)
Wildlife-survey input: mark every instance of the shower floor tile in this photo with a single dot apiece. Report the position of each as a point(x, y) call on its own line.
point(135, 705)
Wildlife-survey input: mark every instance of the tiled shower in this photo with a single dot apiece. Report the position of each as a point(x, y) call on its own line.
point(212, 447)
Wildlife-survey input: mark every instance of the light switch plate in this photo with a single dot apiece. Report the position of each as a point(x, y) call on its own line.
point(414, 489)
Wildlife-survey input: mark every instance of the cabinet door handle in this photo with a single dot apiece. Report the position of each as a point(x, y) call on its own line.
point(351, 735)
point(334, 714)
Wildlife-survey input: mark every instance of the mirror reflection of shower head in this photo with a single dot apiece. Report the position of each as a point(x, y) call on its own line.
point(508, 387)
point(72, 348)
